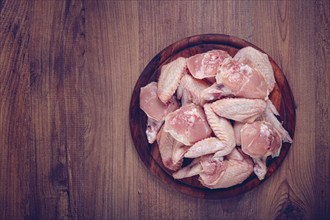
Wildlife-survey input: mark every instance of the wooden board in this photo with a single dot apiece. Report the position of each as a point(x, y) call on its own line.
point(281, 96)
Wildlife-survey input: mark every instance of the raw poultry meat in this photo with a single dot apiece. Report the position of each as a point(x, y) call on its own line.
point(215, 92)
point(243, 80)
point(271, 107)
point(269, 116)
point(169, 78)
point(171, 151)
point(210, 104)
point(151, 104)
point(188, 124)
point(190, 89)
point(212, 170)
point(237, 130)
point(239, 109)
point(208, 146)
point(205, 65)
point(221, 127)
point(192, 169)
point(259, 61)
point(218, 173)
point(260, 140)
point(155, 109)
point(153, 127)
point(260, 167)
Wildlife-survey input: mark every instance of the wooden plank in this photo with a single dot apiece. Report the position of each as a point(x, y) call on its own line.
point(110, 168)
point(16, 152)
point(322, 97)
point(57, 104)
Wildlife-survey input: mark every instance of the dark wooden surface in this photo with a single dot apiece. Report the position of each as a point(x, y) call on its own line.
point(281, 96)
point(67, 72)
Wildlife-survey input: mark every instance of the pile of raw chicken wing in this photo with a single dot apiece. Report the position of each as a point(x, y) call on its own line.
point(215, 109)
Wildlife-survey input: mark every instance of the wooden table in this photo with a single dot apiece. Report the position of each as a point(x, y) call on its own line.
point(67, 71)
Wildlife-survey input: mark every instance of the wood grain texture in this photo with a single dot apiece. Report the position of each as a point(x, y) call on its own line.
point(322, 110)
point(67, 72)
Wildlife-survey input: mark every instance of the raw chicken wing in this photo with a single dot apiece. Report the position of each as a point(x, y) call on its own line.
point(171, 151)
point(208, 146)
point(188, 124)
point(192, 169)
point(155, 109)
point(243, 80)
point(239, 109)
point(204, 65)
point(151, 104)
point(259, 61)
point(190, 89)
point(260, 140)
point(270, 117)
point(221, 127)
point(219, 173)
point(169, 78)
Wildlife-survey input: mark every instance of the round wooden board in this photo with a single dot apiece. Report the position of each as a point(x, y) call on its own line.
point(281, 97)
